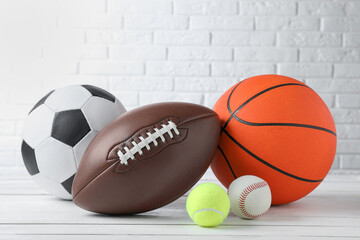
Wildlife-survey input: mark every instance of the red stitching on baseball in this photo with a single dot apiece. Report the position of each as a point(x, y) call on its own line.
point(245, 193)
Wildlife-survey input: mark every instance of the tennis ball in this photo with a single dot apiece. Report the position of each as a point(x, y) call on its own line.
point(208, 205)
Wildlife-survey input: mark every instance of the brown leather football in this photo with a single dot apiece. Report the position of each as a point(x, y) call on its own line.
point(146, 158)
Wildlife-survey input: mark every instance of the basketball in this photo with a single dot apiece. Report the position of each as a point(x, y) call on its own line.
point(276, 128)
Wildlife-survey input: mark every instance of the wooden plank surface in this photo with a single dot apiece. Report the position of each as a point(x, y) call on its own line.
point(331, 211)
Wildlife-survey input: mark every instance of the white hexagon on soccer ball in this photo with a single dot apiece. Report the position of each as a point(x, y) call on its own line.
point(99, 112)
point(38, 126)
point(68, 98)
point(51, 186)
point(55, 160)
point(80, 147)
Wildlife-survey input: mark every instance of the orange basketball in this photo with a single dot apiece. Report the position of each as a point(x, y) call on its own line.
point(278, 129)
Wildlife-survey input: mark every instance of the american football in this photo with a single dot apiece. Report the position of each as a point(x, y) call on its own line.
point(146, 158)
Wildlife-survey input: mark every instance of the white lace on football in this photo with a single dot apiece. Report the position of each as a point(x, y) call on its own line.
point(144, 142)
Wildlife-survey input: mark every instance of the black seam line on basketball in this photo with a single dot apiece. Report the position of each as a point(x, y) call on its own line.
point(227, 161)
point(268, 164)
point(228, 101)
point(285, 124)
point(258, 94)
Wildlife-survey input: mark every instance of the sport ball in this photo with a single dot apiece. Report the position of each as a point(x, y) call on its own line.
point(250, 197)
point(146, 158)
point(278, 129)
point(208, 205)
point(58, 130)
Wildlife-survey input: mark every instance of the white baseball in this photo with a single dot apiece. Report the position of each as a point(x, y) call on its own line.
point(250, 196)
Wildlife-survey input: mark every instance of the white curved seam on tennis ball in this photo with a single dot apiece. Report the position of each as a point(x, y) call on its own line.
point(208, 209)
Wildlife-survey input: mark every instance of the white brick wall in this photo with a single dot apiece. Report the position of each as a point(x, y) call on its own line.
point(148, 51)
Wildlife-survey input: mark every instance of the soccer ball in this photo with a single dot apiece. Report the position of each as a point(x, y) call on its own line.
point(58, 130)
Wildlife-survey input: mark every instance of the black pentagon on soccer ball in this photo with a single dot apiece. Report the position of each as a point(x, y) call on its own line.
point(41, 101)
point(28, 154)
point(70, 127)
point(98, 92)
point(67, 184)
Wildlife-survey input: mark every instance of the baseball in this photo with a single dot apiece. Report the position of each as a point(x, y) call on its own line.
point(250, 196)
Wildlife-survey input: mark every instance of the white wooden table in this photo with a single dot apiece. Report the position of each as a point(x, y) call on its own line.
point(332, 211)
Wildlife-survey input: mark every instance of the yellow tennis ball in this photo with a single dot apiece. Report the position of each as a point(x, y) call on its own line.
point(208, 205)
